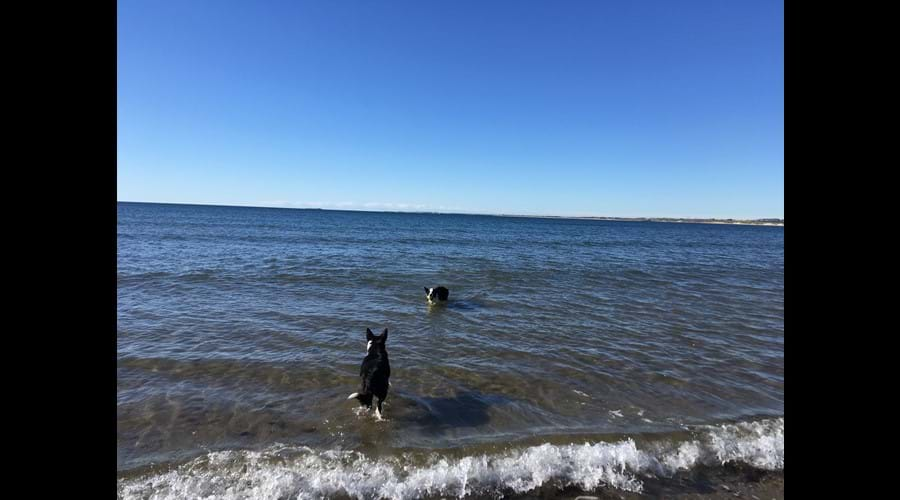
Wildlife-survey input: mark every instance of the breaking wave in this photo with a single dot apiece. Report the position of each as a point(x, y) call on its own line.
point(300, 472)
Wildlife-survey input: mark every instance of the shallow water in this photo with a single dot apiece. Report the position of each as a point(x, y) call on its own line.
point(241, 330)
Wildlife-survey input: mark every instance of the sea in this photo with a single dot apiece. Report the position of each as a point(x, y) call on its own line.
point(627, 359)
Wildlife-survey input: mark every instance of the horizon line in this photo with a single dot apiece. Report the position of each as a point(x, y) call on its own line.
point(583, 217)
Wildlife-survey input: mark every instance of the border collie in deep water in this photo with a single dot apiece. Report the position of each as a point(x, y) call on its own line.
point(437, 294)
point(375, 372)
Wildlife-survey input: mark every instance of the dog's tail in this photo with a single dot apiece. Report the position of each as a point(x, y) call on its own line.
point(364, 399)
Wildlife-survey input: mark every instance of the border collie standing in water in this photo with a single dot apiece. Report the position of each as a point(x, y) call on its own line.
point(437, 294)
point(375, 372)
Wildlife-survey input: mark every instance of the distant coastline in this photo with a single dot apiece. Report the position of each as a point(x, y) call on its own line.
point(684, 220)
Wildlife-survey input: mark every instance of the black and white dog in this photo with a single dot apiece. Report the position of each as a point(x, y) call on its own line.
point(438, 294)
point(375, 372)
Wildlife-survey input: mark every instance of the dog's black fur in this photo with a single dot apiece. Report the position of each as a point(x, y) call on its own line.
point(437, 294)
point(375, 372)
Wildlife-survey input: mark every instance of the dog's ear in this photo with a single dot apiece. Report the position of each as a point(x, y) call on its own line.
point(384, 336)
point(369, 334)
point(426, 289)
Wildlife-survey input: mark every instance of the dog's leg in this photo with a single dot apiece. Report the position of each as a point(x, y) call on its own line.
point(378, 414)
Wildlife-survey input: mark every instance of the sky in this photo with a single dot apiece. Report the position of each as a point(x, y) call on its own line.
point(574, 107)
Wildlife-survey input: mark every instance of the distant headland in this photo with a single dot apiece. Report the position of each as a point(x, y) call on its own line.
point(751, 222)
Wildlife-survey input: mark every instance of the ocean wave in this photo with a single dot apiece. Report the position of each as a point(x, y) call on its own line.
point(300, 472)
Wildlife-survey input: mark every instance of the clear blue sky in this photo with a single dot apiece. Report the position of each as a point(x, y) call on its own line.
point(572, 107)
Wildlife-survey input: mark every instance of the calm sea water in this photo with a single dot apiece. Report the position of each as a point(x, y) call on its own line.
point(582, 352)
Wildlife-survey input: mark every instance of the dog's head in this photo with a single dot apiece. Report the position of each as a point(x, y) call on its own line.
point(436, 294)
point(375, 341)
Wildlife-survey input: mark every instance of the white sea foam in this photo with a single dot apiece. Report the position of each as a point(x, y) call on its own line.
point(292, 472)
